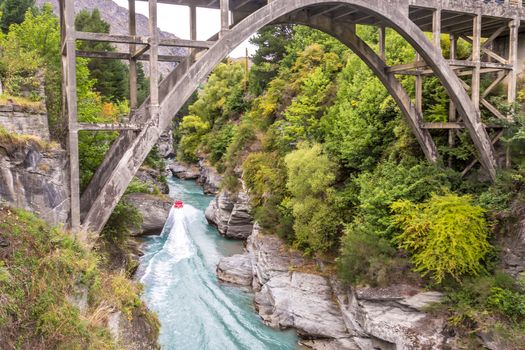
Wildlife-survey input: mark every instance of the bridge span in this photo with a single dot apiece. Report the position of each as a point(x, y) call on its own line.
point(491, 27)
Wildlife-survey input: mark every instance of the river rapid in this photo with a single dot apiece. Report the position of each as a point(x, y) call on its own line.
point(196, 311)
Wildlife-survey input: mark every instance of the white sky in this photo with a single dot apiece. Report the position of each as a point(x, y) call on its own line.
point(175, 19)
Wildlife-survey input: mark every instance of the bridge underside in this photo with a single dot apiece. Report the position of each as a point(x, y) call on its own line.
point(492, 30)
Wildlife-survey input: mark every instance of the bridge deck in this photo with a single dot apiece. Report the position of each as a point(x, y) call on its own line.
point(456, 14)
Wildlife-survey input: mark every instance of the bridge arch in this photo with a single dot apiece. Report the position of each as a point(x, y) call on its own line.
point(176, 92)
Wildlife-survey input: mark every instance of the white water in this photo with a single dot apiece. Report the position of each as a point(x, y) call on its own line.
point(195, 310)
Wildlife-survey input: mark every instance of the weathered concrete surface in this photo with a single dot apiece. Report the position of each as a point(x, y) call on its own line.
point(326, 315)
point(22, 120)
point(35, 180)
point(154, 210)
point(231, 215)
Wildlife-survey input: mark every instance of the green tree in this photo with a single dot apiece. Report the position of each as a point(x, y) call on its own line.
point(310, 177)
point(271, 42)
point(13, 12)
point(111, 76)
point(446, 235)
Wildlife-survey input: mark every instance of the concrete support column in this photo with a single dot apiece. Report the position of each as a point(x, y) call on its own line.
point(225, 17)
point(193, 29)
point(513, 60)
point(69, 91)
point(452, 107)
point(476, 58)
point(436, 29)
point(419, 90)
point(382, 43)
point(133, 99)
point(153, 59)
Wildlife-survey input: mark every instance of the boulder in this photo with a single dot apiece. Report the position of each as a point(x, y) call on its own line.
point(236, 269)
point(184, 171)
point(231, 215)
point(154, 210)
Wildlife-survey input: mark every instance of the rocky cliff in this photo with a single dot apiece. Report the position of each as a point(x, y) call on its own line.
point(33, 172)
point(325, 314)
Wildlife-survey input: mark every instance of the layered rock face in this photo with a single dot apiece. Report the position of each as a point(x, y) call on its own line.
point(209, 178)
point(231, 215)
point(326, 315)
point(18, 119)
point(35, 180)
point(185, 171)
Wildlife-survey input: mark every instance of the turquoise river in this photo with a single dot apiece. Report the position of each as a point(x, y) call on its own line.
point(196, 311)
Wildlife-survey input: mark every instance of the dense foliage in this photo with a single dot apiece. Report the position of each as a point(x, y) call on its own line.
point(332, 167)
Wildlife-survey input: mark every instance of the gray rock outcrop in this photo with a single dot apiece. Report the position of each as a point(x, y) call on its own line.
point(209, 178)
point(231, 215)
point(15, 118)
point(326, 315)
point(36, 180)
point(154, 211)
point(154, 178)
point(184, 171)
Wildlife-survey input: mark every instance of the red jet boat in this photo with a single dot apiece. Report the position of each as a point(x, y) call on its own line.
point(178, 204)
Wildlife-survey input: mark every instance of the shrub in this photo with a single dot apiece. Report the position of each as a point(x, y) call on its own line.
point(311, 200)
point(392, 181)
point(446, 235)
point(367, 258)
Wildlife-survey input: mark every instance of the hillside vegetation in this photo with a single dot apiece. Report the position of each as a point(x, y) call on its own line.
point(332, 167)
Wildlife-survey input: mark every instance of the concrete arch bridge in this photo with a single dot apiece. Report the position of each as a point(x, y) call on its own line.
point(491, 27)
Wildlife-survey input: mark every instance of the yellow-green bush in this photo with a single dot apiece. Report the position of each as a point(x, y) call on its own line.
point(446, 235)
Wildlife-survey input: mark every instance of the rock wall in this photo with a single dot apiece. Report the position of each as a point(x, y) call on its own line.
point(209, 178)
point(154, 210)
point(35, 180)
point(325, 314)
point(231, 215)
point(15, 118)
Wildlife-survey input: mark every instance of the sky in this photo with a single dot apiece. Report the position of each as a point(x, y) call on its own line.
point(175, 19)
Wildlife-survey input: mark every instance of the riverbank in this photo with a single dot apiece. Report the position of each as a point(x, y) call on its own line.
point(195, 310)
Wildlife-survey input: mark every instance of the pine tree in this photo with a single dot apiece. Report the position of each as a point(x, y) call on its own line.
point(13, 12)
point(111, 75)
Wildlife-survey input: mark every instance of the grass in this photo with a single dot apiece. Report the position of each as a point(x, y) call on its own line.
point(40, 270)
point(23, 102)
point(17, 141)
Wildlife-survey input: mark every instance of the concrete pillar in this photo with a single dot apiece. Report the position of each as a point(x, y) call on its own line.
point(476, 58)
point(452, 107)
point(69, 88)
point(153, 58)
point(513, 60)
point(382, 43)
point(419, 91)
point(193, 29)
point(225, 16)
point(133, 99)
point(436, 29)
